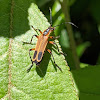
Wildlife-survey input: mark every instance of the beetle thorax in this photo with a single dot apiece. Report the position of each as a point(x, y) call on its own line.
point(48, 31)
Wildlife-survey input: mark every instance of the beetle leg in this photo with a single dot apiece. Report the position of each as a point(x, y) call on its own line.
point(51, 42)
point(36, 30)
point(31, 40)
point(30, 68)
point(52, 37)
point(31, 60)
point(54, 59)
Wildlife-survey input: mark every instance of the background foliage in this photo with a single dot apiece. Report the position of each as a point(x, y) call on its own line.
point(15, 27)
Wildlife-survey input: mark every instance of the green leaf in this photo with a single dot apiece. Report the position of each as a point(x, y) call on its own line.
point(43, 82)
point(81, 48)
point(88, 83)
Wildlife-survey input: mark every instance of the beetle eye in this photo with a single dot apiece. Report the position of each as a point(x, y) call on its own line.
point(52, 29)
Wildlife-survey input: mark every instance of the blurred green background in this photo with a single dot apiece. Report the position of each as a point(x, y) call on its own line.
point(82, 44)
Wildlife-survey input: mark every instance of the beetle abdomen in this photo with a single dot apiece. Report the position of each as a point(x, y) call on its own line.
point(36, 62)
point(39, 56)
point(35, 53)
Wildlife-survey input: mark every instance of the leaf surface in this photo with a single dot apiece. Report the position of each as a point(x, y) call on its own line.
point(43, 82)
point(88, 83)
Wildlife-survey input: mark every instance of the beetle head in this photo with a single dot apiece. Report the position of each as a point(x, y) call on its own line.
point(48, 31)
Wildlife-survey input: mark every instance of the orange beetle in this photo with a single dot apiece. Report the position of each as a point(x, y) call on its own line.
point(41, 46)
point(42, 43)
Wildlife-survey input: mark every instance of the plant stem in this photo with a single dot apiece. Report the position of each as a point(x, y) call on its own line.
point(70, 33)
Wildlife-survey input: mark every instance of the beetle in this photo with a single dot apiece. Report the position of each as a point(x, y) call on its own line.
point(42, 43)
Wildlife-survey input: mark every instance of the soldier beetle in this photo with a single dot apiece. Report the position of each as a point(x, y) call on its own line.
point(42, 43)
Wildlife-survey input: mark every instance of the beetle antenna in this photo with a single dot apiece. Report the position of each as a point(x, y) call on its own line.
point(50, 16)
point(68, 23)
